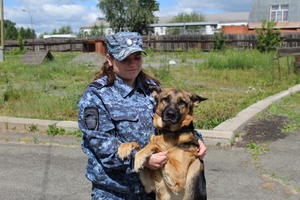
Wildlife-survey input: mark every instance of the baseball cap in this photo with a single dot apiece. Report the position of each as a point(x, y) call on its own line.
point(122, 44)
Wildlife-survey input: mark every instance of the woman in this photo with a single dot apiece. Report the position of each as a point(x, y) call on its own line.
point(116, 108)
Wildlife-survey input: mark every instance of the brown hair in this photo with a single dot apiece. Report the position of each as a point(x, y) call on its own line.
point(107, 70)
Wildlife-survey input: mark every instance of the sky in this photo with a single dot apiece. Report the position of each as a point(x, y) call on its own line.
point(47, 15)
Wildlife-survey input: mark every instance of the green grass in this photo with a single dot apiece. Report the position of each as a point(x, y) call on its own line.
point(48, 91)
point(231, 79)
point(289, 107)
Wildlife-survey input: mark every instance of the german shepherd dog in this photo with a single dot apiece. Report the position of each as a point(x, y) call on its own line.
point(173, 119)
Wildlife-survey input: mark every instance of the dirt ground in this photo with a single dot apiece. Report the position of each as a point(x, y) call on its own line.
point(261, 130)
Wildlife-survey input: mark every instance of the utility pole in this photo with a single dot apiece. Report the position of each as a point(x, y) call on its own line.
point(2, 31)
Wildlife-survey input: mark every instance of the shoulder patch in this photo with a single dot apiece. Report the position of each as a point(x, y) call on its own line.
point(96, 85)
point(91, 118)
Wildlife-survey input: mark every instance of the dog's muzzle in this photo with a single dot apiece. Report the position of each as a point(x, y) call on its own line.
point(171, 115)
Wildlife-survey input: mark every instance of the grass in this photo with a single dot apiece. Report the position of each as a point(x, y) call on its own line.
point(48, 91)
point(289, 107)
point(231, 79)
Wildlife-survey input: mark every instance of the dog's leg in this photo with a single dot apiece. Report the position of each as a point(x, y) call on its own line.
point(143, 155)
point(191, 180)
point(125, 149)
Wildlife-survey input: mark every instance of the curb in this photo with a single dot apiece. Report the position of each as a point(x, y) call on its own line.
point(221, 135)
point(225, 132)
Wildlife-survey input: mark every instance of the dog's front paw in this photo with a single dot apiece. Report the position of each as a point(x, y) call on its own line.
point(140, 161)
point(125, 149)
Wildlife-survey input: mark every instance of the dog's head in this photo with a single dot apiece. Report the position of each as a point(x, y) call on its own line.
point(174, 108)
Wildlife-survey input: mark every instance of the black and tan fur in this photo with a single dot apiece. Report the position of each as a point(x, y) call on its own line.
point(177, 180)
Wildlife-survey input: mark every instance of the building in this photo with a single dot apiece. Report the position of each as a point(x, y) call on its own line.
point(100, 22)
point(205, 28)
point(212, 23)
point(59, 36)
point(285, 12)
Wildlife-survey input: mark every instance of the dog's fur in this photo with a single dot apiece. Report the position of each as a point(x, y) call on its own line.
point(177, 179)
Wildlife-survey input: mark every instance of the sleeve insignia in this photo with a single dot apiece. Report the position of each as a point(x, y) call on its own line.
point(91, 118)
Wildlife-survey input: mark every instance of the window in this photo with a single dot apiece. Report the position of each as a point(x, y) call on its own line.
point(279, 12)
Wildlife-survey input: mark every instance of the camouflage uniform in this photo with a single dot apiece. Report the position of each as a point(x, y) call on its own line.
point(109, 116)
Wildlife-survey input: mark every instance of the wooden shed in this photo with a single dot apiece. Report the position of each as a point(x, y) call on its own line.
point(94, 46)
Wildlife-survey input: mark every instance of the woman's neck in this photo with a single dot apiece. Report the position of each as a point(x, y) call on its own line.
point(130, 82)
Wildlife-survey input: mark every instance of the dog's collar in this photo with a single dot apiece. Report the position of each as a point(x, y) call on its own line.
point(182, 130)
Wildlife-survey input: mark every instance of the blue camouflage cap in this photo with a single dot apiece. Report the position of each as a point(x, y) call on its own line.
point(122, 44)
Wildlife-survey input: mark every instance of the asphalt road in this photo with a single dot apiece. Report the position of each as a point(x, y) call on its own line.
point(51, 172)
point(42, 172)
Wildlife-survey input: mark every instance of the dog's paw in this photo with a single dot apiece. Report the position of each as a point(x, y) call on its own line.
point(140, 161)
point(125, 149)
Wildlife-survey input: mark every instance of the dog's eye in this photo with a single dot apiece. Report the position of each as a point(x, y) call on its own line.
point(182, 103)
point(165, 99)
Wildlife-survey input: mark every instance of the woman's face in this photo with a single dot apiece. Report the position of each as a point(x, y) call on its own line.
point(129, 68)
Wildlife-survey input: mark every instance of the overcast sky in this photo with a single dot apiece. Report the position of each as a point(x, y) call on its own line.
point(47, 15)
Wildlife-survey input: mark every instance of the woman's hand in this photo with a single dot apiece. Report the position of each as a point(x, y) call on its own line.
point(202, 150)
point(157, 160)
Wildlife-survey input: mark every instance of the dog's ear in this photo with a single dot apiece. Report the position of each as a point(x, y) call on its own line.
point(196, 99)
point(155, 90)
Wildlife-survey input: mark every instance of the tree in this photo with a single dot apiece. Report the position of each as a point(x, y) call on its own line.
point(131, 15)
point(184, 18)
point(22, 33)
point(268, 38)
point(65, 30)
point(219, 40)
point(10, 30)
point(97, 31)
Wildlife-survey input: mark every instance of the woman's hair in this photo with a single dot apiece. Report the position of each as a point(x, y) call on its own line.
point(108, 71)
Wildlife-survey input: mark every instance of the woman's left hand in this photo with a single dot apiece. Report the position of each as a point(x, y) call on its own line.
point(202, 150)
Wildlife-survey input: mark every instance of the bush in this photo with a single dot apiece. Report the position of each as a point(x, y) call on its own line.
point(219, 40)
point(268, 38)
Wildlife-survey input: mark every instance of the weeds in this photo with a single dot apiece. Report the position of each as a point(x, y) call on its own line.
point(33, 128)
point(54, 130)
point(256, 149)
point(35, 139)
point(76, 133)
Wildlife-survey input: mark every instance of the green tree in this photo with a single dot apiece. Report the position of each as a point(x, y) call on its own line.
point(97, 31)
point(219, 40)
point(65, 30)
point(10, 30)
point(131, 15)
point(268, 38)
point(22, 33)
point(184, 18)
point(29, 33)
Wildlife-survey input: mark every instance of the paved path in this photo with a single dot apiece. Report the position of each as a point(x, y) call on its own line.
point(233, 173)
point(41, 172)
point(51, 172)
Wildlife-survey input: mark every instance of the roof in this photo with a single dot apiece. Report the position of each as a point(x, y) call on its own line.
point(184, 24)
point(228, 17)
point(36, 57)
point(59, 36)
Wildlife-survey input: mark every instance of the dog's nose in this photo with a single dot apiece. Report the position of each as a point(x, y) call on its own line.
point(170, 115)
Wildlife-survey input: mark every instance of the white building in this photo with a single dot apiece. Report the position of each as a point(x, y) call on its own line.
point(212, 23)
point(100, 22)
point(59, 36)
